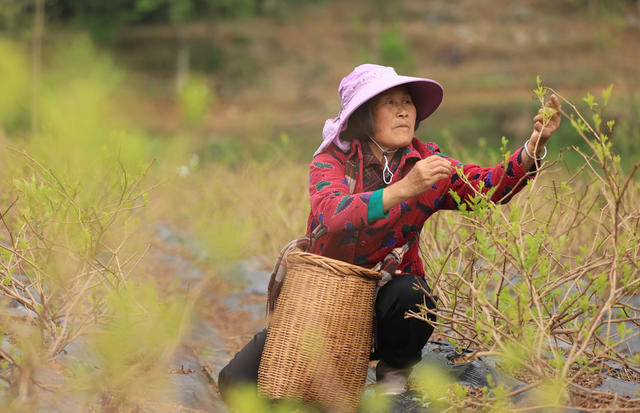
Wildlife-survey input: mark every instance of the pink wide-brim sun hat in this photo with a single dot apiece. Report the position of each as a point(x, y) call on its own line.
point(367, 81)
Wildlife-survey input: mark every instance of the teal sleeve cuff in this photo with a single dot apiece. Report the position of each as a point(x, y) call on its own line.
point(374, 211)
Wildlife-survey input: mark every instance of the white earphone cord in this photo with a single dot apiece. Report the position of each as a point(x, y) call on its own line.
point(386, 171)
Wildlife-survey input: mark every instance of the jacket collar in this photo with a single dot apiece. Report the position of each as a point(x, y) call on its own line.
point(416, 149)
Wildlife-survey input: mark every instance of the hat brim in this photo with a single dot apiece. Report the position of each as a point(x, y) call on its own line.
point(427, 95)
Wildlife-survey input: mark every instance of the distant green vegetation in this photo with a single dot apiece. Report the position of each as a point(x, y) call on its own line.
point(102, 18)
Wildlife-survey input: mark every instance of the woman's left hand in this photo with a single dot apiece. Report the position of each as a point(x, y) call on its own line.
point(541, 131)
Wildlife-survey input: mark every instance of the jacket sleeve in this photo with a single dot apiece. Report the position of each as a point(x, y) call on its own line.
point(507, 182)
point(331, 203)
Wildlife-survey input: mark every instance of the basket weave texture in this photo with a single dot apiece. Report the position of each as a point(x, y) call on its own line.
point(319, 337)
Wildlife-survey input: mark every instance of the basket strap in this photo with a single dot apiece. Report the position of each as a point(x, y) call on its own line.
point(305, 243)
point(350, 173)
point(280, 268)
point(390, 264)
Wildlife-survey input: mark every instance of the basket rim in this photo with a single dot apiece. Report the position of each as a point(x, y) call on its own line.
point(340, 268)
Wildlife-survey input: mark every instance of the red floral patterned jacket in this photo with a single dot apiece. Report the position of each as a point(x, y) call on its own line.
point(352, 239)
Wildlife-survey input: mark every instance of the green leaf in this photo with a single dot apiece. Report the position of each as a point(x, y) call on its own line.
point(583, 303)
point(590, 101)
point(455, 196)
point(479, 327)
point(539, 90)
point(460, 391)
point(503, 147)
point(601, 284)
point(577, 124)
point(597, 121)
point(490, 380)
point(547, 113)
point(86, 237)
point(622, 330)
point(557, 361)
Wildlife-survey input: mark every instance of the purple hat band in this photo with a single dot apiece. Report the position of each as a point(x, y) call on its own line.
point(367, 81)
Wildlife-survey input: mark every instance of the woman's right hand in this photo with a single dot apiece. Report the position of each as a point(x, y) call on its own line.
point(420, 178)
point(425, 173)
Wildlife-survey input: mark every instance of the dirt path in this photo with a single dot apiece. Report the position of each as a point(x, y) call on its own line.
point(228, 310)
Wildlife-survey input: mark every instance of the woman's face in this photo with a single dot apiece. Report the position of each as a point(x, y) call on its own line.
point(394, 118)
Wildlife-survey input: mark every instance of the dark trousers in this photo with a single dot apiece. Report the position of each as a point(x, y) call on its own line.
point(399, 340)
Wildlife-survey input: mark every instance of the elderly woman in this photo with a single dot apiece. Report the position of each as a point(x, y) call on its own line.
point(372, 187)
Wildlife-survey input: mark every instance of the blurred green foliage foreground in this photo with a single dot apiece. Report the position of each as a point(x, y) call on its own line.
point(80, 198)
point(73, 197)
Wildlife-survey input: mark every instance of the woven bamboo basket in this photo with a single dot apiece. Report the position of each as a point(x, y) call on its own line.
point(319, 337)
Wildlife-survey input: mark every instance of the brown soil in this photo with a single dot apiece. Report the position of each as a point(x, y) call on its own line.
point(585, 399)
